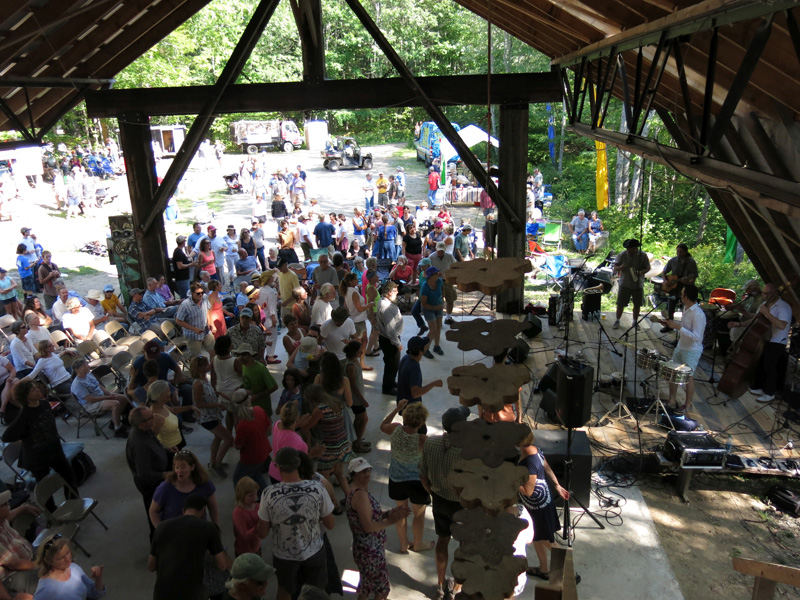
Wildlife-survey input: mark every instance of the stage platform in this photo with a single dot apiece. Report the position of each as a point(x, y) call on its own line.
point(756, 429)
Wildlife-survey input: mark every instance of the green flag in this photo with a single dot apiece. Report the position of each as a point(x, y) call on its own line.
point(730, 247)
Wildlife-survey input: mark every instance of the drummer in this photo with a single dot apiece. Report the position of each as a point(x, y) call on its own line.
point(690, 344)
point(631, 265)
point(684, 267)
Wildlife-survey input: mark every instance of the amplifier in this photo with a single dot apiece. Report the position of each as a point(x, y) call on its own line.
point(694, 450)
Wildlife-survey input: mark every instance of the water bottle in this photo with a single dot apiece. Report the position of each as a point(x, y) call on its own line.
point(728, 444)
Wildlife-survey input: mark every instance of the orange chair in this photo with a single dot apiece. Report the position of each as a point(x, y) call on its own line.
point(722, 297)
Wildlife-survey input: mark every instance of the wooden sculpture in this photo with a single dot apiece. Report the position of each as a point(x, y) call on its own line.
point(491, 387)
point(493, 443)
point(488, 276)
point(492, 582)
point(494, 488)
point(490, 536)
point(487, 337)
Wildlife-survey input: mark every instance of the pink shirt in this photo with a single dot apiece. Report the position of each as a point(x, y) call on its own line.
point(284, 439)
point(245, 523)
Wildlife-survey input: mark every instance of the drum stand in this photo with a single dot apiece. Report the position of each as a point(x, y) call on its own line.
point(658, 404)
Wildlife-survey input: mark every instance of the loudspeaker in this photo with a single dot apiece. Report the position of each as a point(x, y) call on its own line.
point(553, 445)
point(548, 404)
point(590, 305)
point(534, 327)
point(574, 391)
point(552, 310)
point(550, 379)
point(519, 353)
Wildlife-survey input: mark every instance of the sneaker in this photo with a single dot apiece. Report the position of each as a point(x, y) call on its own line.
point(438, 350)
point(390, 392)
point(422, 331)
point(764, 398)
point(111, 425)
point(449, 320)
point(428, 354)
point(218, 470)
point(665, 329)
point(757, 392)
point(615, 325)
point(186, 429)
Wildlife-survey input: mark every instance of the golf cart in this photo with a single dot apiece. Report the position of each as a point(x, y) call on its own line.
point(345, 153)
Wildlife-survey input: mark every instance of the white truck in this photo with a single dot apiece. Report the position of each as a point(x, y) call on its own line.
point(255, 136)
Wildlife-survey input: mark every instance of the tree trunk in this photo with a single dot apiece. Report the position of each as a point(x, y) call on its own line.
point(703, 217)
point(623, 170)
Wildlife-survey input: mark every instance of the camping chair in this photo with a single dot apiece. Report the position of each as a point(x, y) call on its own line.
point(552, 235)
point(71, 510)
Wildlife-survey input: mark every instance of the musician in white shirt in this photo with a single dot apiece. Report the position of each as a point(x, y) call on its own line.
point(692, 326)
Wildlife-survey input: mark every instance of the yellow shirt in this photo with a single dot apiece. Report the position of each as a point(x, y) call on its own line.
point(286, 283)
point(382, 184)
point(170, 434)
point(110, 305)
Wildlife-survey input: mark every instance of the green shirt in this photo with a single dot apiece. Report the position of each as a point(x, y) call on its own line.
point(256, 379)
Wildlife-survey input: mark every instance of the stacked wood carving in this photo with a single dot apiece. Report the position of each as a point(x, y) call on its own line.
point(486, 476)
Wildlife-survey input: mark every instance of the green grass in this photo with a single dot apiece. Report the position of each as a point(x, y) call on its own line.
point(81, 271)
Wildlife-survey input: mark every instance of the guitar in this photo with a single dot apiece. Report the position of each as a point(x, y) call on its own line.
point(670, 283)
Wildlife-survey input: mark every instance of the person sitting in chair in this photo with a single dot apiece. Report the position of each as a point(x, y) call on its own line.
point(97, 399)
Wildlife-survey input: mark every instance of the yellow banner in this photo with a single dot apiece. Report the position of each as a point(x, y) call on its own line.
point(601, 178)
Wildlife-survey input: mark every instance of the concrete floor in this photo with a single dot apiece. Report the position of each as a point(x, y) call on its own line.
point(624, 562)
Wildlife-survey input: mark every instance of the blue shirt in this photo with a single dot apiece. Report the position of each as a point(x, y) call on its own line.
point(409, 374)
point(434, 296)
point(324, 232)
point(153, 300)
point(24, 266)
point(88, 386)
point(387, 233)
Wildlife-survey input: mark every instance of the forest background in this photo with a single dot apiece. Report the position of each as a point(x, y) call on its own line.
point(647, 201)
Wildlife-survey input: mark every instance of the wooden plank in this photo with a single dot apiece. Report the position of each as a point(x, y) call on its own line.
point(771, 571)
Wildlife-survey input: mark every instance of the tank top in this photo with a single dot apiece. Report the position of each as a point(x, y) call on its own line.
point(170, 434)
point(350, 302)
point(404, 465)
point(376, 303)
point(228, 380)
point(207, 415)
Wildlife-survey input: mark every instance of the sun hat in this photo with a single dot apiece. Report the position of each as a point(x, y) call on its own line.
point(244, 348)
point(251, 566)
point(95, 295)
point(358, 464)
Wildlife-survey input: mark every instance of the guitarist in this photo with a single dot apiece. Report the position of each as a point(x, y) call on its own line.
point(631, 265)
point(679, 271)
point(772, 367)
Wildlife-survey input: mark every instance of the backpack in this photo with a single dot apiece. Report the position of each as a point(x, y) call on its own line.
point(83, 467)
point(784, 500)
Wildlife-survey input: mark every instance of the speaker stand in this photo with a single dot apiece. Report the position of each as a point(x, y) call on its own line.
point(482, 301)
point(568, 480)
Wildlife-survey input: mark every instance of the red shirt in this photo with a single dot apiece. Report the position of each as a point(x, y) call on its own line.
point(251, 437)
point(245, 523)
point(433, 181)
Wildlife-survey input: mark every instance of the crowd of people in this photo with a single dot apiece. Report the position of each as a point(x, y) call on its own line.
point(299, 429)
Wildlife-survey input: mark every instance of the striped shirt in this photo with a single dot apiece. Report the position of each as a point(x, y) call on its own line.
point(195, 315)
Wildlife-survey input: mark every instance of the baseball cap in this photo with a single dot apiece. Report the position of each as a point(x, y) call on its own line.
point(246, 312)
point(2, 270)
point(134, 291)
point(430, 168)
point(245, 348)
point(231, 227)
point(251, 566)
point(358, 464)
point(430, 271)
point(180, 239)
point(466, 227)
point(425, 262)
point(440, 246)
point(417, 343)
point(108, 288)
point(454, 415)
point(24, 230)
point(212, 228)
point(438, 225)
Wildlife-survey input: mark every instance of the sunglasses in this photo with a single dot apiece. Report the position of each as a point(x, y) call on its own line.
point(49, 543)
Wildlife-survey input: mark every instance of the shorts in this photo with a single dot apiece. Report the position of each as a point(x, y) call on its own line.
point(92, 407)
point(443, 511)
point(8, 301)
point(625, 295)
point(210, 425)
point(361, 327)
point(292, 574)
point(690, 358)
point(409, 490)
point(450, 293)
point(432, 315)
point(358, 409)
point(28, 284)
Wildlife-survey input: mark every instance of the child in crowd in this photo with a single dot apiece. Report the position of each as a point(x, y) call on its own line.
point(291, 390)
point(309, 351)
point(24, 266)
point(355, 374)
point(245, 518)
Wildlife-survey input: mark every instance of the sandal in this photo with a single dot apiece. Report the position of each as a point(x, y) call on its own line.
point(537, 572)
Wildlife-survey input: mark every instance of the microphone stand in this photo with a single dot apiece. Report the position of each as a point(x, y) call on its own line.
point(600, 331)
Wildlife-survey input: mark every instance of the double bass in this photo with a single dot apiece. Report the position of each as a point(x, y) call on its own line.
point(745, 354)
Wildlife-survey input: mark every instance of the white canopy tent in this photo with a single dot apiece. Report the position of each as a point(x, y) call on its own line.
point(472, 135)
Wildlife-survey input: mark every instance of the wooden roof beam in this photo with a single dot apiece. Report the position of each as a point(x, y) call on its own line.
point(700, 17)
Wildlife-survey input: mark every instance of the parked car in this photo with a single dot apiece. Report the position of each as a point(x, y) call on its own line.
point(345, 153)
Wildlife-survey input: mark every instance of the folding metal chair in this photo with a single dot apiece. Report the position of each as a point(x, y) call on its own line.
point(114, 327)
point(107, 344)
point(5, 322)
point(74, 406)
